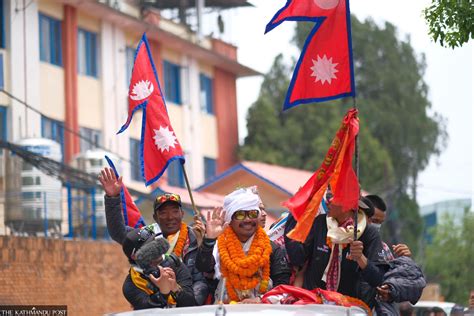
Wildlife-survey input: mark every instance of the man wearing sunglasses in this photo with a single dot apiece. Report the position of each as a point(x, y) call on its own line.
point(168, 216)
point(237, 249)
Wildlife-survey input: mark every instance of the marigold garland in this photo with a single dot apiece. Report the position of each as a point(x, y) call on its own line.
point(244, 272)
point(183, 236)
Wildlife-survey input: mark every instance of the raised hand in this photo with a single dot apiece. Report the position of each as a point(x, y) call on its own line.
point(215, 223)
point(109, 182)
point(199, 229)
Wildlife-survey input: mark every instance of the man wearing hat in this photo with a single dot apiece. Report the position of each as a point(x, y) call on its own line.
point(237, 249)
point(334, 260)
point(168, 216)
point(155, 279)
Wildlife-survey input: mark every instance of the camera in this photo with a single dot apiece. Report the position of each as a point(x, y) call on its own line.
point(168, 261)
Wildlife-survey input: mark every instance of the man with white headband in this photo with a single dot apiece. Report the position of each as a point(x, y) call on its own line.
point(238, 250)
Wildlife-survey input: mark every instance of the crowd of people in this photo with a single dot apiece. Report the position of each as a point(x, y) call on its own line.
point(229, 257)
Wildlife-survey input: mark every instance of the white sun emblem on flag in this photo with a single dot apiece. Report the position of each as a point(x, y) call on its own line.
point(164, 138)
point(141, 90)
point(323, 69)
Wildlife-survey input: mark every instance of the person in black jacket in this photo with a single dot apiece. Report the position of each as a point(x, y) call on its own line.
point(237, 249)
point(168, 215)
point(158, 280)
point(334, 260)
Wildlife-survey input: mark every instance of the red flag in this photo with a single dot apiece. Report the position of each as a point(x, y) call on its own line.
point(324, 70)
point(131, 214)
point(159, 145)
point(336, 170)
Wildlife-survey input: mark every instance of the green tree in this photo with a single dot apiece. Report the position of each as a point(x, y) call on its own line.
point(449, 258)
point(450, 22)
point(397, 136)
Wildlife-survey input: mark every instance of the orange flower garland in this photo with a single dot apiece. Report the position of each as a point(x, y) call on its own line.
point(244, 272)
point(183, 235)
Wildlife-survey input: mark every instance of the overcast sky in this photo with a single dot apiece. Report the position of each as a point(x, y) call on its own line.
point(448, 74)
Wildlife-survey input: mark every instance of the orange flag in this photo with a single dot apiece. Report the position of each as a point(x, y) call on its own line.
point(336, 170)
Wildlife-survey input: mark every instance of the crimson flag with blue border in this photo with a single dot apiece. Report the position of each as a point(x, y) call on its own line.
point(159, 145)
point(324, 70)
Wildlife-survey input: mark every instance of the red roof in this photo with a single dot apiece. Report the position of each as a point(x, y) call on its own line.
point(290, 179)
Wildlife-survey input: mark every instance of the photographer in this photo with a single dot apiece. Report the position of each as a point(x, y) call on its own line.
point(160, 280)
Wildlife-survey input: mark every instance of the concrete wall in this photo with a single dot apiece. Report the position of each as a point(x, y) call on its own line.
point(86, 276)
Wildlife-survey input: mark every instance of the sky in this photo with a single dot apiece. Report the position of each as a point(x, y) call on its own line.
point(449, 75)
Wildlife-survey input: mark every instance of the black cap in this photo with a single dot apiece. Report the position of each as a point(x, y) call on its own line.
point(134, 240)
point(166, 198)
point(366, 205)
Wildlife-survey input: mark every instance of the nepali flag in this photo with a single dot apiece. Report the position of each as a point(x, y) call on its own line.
point(336, 170)
point(159, 145)
point(324, 70)
point(131, 214)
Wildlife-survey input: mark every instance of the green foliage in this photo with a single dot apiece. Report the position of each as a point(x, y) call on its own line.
point(449, 258)
point(397, 135)
point(451, 22)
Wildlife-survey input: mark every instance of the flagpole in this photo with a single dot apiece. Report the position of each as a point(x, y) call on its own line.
point(356, 159)
point(196, 214)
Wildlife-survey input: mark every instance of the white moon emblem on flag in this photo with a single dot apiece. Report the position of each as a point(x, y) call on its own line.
point(326, 4)
point(141, 90)
point(323, 69)
point(164, 138)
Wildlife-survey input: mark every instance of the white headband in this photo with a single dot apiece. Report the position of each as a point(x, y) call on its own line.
point(240, 199)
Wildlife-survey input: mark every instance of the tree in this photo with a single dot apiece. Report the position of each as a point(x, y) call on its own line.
point(397, 136)
point(449, 258)
point(450, 22)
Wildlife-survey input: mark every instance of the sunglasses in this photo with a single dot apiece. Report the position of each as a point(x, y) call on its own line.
point(168, 197)
point(241, 215)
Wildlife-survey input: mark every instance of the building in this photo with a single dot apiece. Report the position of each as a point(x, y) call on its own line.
point(437, 213)
point(71, 61)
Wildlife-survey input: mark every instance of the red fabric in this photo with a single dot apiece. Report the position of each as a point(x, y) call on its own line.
point(131, 214)
point(332, 278)
point(345, 186)
point(328, 45)
point(134, 217)
point(287, 294)
point(154, 157)
point(335, 169)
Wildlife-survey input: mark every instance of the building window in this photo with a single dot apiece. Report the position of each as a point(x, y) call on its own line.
point(172, 77)
point(135, 169)
point(50, 40)
point(2, 82)
point(54, 130)
point(206, 94)
point(87, 53)
point(175, 174)
point(3, 123)
point(94, 138)
point(209, 168)
point(2, 25)
point(27, 181)
point(129, 59)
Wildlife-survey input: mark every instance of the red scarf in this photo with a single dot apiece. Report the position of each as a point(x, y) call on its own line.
point(332, 278)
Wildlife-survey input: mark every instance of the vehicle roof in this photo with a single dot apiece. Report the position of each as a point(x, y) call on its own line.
point(245, 309)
